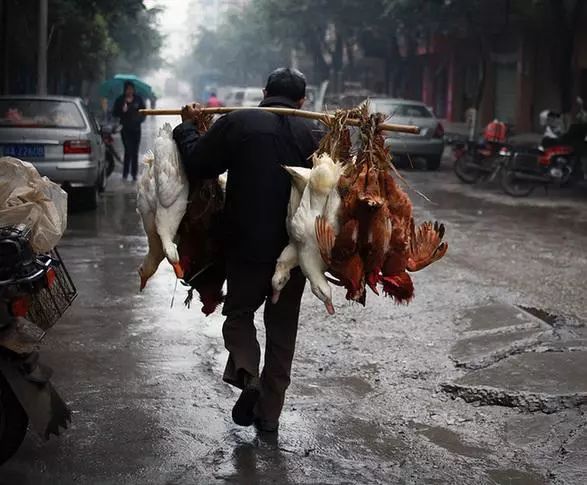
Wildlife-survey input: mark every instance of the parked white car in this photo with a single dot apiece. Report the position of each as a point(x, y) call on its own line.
point(429, 144)
point(245, 97)
point(59, 136)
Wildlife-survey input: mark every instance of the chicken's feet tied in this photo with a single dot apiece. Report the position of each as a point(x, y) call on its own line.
point(371, 196)
point(426, 246)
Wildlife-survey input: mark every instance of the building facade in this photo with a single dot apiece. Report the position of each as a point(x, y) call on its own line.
point(518, 82)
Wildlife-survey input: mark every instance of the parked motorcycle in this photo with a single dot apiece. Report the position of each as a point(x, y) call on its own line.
point(35, 290)
point(476, 161)
point(557, 161)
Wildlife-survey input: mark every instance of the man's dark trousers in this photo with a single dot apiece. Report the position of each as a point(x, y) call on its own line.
point(131, 140)
point(249, 285)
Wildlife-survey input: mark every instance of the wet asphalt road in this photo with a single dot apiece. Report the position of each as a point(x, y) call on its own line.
point(365, 405)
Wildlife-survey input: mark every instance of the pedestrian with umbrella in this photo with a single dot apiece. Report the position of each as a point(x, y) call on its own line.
point(126, 109)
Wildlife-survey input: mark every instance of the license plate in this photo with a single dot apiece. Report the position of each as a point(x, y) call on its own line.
point(24, 151)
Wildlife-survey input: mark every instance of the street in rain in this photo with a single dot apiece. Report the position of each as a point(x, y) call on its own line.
point(408, 176)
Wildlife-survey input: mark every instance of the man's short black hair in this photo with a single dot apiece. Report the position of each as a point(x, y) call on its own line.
point(286, 82)
point(129, 83)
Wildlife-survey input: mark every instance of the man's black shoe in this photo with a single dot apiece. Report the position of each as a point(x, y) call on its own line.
point(243, 411)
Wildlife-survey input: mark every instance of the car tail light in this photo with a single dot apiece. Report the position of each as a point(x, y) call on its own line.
point(438, 131)
point(76, 147)
point(19, 307)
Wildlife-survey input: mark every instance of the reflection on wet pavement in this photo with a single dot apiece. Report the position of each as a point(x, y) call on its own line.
point(143, 378)
point(451, 441)
point(515, 477)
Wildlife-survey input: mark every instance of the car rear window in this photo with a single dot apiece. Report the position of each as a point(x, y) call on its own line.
point(404, 110)
point(40, 113)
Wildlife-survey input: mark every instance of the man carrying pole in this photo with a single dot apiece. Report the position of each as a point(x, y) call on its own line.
point(252, 145)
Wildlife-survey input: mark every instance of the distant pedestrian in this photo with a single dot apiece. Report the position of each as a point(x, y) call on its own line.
point(126, 109)
point(213, 101)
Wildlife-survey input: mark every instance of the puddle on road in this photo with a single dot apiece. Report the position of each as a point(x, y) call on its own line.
point(338, 436)
point(450, 441)
point(310, 451)
point(515, 477)
point(356, 438)
point(313, 387)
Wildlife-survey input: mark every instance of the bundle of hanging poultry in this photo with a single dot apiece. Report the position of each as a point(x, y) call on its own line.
point(183, 222)
point(351, 224)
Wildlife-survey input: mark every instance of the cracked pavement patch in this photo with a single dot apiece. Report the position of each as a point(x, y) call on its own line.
point(484, 350)
point(547, 381)
point(519, 357)
point(496, 317)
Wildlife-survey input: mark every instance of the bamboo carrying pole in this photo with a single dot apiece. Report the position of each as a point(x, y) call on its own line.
point(286, 111)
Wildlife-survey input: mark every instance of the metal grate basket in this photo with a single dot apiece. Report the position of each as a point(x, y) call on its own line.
point(49, 303)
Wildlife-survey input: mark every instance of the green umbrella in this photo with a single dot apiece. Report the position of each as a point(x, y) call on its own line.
point(112, 88)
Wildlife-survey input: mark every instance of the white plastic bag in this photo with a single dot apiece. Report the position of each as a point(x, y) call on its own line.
point(27, 198)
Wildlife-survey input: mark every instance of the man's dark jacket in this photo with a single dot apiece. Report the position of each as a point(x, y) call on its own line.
point(132, 119)
point(252, 146)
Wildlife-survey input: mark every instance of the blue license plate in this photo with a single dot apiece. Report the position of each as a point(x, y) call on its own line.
point(24, 151)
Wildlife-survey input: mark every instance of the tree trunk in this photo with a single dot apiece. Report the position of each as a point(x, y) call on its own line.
point(566, 73)
point(483, 54)
point(392, 59)
point(338, 54)
point(4, 75)
point(321, 67)
point(482, 81)
point(350, 53)
point(42, 46)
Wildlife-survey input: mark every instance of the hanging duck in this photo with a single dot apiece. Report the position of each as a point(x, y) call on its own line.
point(162, 194)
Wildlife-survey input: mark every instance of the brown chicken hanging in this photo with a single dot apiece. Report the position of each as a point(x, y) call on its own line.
point(377, 243)
point(200, 238)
